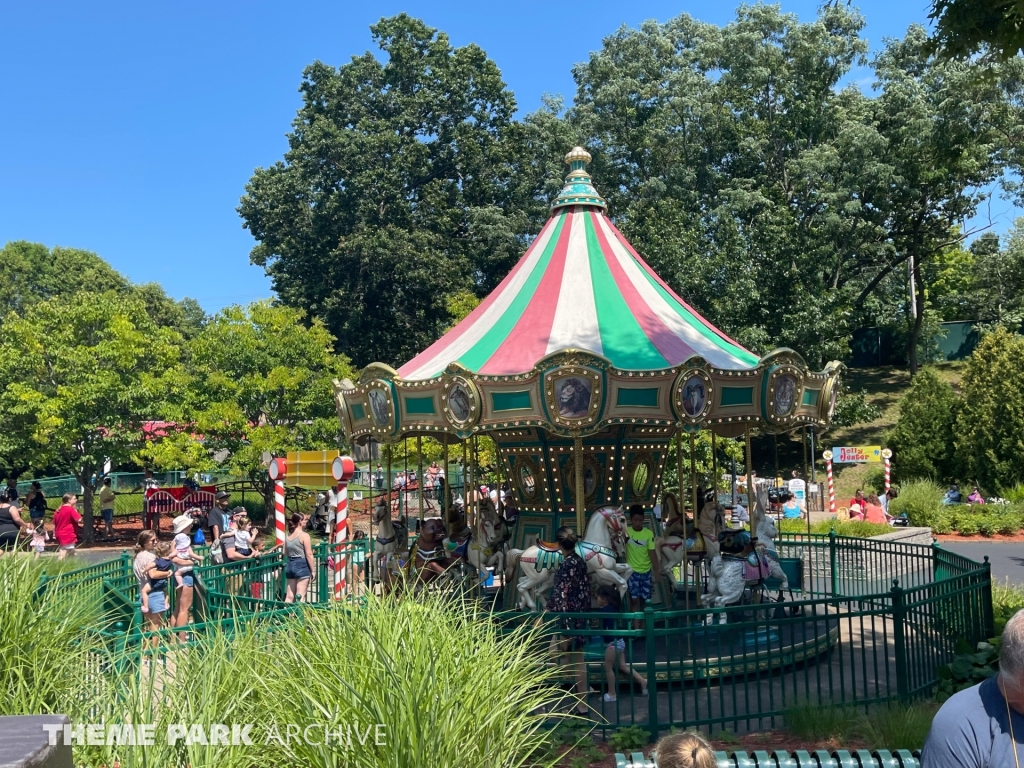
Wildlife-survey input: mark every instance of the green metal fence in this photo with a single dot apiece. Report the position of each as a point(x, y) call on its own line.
point(843, 758)
point(872, 622)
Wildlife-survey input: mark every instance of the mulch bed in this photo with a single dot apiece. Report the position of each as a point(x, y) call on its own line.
point(1015, 538)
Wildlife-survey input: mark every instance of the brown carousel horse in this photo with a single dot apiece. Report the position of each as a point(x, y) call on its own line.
point(699, 537)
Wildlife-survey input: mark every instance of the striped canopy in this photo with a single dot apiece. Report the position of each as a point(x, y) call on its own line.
point(580, 285)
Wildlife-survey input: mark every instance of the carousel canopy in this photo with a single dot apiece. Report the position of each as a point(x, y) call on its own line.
point(579, 286)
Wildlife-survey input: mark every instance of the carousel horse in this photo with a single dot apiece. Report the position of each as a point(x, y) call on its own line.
point(737, 566)
point(428, 558)
point(389, 535)
point(480, 547)
point(601, 546)
point(767, 531)
point(670, 547)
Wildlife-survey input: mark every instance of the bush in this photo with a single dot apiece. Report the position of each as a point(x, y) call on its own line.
point(849, 528)
point(922, 439)
point(1007, 599)
point(1014, 494)
point(853, 408)
point(988, 425)
point(904, 725)
point(969, 667)
point(921, 501)
point(821, 722)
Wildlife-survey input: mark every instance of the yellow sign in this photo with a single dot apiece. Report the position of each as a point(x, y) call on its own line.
point(857, 454)
point(311, 469)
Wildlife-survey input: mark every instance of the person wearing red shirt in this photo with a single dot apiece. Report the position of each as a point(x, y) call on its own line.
point(858, 499)
point(65, 526)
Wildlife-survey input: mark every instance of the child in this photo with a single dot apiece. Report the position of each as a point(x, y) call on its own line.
point(642, 557)
point(684, 750)
point(615, 647)
point(183, 559)
point(39, 538)
point(162, 550)
point(245, 536)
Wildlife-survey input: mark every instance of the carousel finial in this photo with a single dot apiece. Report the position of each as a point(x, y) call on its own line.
point(579, 189)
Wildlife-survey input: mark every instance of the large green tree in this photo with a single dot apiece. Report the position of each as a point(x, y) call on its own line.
point(989, 437)
point(88, 371)
point(922, 439)
point(964, 28)
point(402, 185)
point(256, 382)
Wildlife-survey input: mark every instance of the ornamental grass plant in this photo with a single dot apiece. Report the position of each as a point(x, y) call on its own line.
point(47, 645)
point(425, 680)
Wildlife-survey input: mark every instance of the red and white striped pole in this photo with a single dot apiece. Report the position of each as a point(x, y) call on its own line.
point(886, 456)
point(343, 469)
point(278, 470)
point(827, 455)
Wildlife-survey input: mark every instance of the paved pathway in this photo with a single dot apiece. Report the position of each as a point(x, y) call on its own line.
point(1007, 558)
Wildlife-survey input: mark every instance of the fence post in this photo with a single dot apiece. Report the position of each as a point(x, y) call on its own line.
point(833, 560)
point(899, 616)
point(986, 599)
point(652, 675)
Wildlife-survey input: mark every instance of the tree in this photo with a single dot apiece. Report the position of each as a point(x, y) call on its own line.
point(964, 28)
point(922, 439)
point(990, 441)
point(91, 369)
point(398, 189)
point(257, 381)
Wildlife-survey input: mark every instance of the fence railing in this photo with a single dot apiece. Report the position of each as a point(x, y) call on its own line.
point(874, 622)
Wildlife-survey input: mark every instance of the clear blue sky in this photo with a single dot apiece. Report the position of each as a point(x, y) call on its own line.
point(130, 129)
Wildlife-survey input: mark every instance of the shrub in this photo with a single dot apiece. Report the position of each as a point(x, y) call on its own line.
point(874, 479)
point(629, 738)
point(921, 500)
point(853, 408)
point(989, 443)
point(821, 722)
point(1014, 494)
point(922, 439)
point(969, 525)
point(969, 667)
point(1007, 599)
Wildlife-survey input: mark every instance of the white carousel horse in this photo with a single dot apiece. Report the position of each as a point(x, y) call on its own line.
point(767, 530)
point(601, 547)
point(670, 547)
point(484, 549)
point(738, 566)
point(387, 541)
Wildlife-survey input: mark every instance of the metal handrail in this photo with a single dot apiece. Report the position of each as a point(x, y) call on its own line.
point(863, 758)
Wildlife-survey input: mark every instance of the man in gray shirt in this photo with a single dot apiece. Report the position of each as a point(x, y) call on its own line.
point(983, 726)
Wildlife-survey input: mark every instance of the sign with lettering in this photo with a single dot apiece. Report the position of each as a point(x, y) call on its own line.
point(857, 454)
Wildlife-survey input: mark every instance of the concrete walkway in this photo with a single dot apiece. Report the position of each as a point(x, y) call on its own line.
point(1007, 558)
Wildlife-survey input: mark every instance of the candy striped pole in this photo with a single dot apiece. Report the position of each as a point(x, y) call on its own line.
point(278, 471)
point(343, 469)
point(827, 455)
point(887, 456)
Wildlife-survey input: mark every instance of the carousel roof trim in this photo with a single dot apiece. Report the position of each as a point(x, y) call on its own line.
point(580, 285)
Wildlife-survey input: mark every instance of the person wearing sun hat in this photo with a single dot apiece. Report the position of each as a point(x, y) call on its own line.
point(184, 559)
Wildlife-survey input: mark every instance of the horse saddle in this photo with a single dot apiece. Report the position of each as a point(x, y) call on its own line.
point(458, 548)
point(548, 546)
point(755, 568)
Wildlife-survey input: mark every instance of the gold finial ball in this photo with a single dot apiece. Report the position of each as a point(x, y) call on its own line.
point(577, 153)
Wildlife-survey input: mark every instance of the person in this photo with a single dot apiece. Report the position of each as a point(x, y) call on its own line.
point(218, 520)
point(953, 495)
point(571, 594)
point(148, 484)
point(154, 591)
point(858, 499)
point(11, 523)
point(791, 509)
point(39, 538)
point(975, 497)
point(66, 522)
point(245, 536)
point(184, 560)
point(378, 479)
point(656, 514)
point(614, 647)
point(873, 512)
point(300, 564)
point(107, 497)
point(12, 491)
point(642, 557)
point(983, 726)
point(740, 513)
point(36, 501)
point(684, 750)
point(887, 498)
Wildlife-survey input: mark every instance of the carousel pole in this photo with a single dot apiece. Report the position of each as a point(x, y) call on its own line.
point(465, 485)
point(807, 490)
point(581, 501)
point(682, 511)
point(444, 500)
point(750, 473)
point(693, 474)
point(419, 476)
point(714, 464)
point(470, 481)
point(403, 493)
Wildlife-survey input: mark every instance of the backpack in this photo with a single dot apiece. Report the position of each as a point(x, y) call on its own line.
point(217, 553)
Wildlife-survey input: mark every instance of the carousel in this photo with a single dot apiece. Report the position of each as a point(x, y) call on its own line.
point(583, 366)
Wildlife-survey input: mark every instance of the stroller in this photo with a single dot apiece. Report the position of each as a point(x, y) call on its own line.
point(320, 520)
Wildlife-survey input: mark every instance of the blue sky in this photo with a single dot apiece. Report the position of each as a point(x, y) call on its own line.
point(130, 129)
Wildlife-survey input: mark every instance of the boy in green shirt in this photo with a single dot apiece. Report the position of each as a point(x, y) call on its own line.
point(642, 558)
